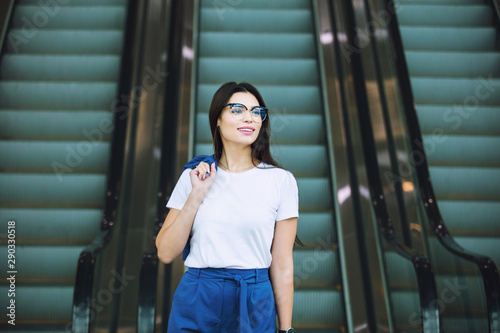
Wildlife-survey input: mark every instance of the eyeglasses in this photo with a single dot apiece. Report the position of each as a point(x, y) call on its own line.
point(258, 113)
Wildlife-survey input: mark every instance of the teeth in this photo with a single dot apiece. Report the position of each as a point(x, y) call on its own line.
point(246, 129)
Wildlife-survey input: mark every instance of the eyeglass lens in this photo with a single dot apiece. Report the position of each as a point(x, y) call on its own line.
point(258, 113)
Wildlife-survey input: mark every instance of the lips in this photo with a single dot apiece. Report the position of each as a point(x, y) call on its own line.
point(247, 130)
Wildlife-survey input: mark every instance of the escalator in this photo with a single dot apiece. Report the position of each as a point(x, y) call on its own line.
point(454, 52)
point(274, 48)
point(58, 78)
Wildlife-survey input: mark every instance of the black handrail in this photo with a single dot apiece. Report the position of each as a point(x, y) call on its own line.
point(489, 271)
point(82, 296)
point(167, 179)
point(425, 276)
point(495, 6)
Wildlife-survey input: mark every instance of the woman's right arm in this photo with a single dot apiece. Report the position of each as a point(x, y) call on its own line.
point(177, 226)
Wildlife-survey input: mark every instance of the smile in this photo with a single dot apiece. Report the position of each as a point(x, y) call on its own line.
point(246, 130)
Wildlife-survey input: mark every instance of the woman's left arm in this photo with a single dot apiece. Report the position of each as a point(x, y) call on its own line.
point(281, 270)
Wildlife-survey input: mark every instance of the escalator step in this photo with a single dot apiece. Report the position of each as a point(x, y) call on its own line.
point(69, 17)
point(46, 157)
point(70, 125)
point(60, 67)
point(56, 95)
point(453, 64)
point(287, 99)
point(316, 268)
point(318, 309)
point(42, 263)
point(470, 92)
point(257, 71)
point(42, 303)
point(488, 246)
point(53, 226)
point(65, 42)
point(459, 119)
point(261, 20)
point(462, 183)
point(314, 229)
point(271, 45)
point(52, 190)
point(448, 39)
point(466, 151)
point(286, 128)
point(230, 6)
point(459, 215)
point(466, 15)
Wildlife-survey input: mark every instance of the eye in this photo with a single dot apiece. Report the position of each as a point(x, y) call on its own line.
point(236, 110)
point(256, 112)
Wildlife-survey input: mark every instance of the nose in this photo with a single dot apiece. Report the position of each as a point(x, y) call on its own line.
point(247, 117)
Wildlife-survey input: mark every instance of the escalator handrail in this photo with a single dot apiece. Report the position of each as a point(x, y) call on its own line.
point(82, 296)
point(424, 274)
point(5, 22)
point(495, 6)
point(146, 307)
point(487, 267)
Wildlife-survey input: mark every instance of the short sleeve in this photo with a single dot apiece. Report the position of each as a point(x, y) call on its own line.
point(181, 191)
point(289, 205)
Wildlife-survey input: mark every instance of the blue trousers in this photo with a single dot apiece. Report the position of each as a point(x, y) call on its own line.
point(223, 300)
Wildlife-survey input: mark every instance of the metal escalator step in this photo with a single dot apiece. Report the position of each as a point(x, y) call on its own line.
point(39, 263)
point(34, 67)
point(315, 229)
point(258, 71)
point(64, 41)
point(232, 5)
point(318, 308)
point(466, 15)
point(462, 150)
point(286, 128)
point(317, 267)
point(459, 119)
point(52, 303)
point(450, 39)
point(52, 190)
point(488, 246)
point(69, 17)
point(57, 95)
point(257, 20)
point(286, 99)
point(453, 64)
point(271, 45)
point(461, 217)
point(48, 156)
point(470, 92)
point(53, 226)
point(466, 183)
point(69, 3)
point(69, 125)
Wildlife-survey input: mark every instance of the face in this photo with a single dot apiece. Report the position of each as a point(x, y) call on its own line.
point(243, 131)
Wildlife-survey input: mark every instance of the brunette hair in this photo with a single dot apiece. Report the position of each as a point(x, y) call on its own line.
point(260, 148)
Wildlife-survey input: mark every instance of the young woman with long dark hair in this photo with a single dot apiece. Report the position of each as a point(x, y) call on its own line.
point(237, 211)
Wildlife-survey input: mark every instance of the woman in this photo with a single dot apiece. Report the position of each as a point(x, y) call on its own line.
point(237, 210)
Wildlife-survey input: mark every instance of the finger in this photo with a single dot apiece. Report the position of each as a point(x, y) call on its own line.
point(213, 170)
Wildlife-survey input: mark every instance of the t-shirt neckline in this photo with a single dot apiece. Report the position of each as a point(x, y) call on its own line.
point(240, 173)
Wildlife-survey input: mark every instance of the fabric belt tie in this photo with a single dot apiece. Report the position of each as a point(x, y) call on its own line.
point(242, 277)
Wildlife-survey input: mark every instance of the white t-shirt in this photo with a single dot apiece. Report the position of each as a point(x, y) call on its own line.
point(234, 225)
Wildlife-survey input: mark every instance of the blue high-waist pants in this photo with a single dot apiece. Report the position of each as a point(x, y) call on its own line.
point(223, 300)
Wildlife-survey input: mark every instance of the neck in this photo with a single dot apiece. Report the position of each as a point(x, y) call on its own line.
point(235, 160)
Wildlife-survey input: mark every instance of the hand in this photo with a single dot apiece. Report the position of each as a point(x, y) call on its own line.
point(200, 182)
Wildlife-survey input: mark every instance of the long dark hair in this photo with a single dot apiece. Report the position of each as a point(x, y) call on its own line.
point(260, 148)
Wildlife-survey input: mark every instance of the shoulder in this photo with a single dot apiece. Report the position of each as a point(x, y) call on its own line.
point(279, 173)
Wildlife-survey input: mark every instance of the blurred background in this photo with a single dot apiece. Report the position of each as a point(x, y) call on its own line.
point(387, 113)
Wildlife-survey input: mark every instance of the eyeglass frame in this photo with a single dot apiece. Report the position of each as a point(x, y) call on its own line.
point(262, 108)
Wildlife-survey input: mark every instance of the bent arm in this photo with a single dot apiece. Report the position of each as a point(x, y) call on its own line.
point(176, 228)
point(281, 270)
